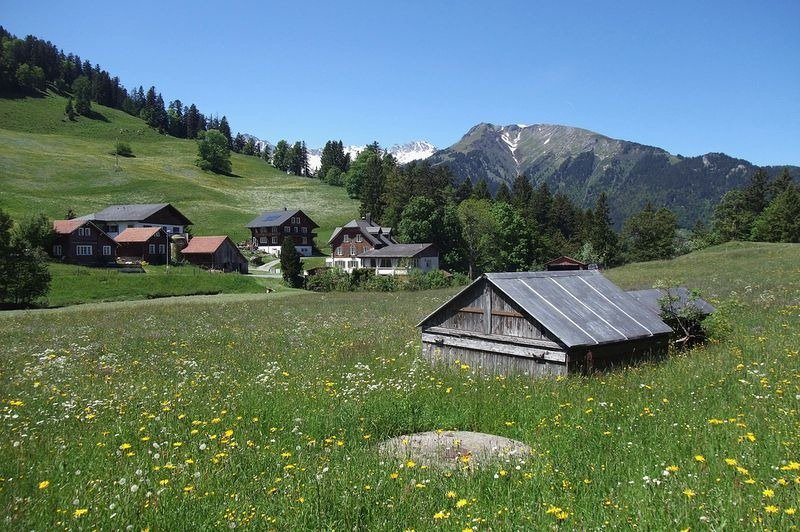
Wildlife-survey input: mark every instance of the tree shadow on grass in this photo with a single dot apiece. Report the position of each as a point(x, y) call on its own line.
point(94, 115)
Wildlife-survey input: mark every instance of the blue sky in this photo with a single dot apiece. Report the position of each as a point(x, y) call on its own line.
point(691, 77)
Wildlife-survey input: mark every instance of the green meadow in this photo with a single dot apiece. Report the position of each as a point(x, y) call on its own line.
point(49, 164)
point(71, 285)
point(262, 411)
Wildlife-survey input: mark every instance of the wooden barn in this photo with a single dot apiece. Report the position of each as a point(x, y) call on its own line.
point(215, 252)
point(564, 263)
point(542, 323)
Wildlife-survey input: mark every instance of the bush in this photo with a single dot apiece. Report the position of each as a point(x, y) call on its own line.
point(329, 281)
point(123, 149)
point(382, 283)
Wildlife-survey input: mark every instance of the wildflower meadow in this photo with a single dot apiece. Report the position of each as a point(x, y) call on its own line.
point(266, 412)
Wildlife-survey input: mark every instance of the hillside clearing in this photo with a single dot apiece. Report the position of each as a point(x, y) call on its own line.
point(49, 165)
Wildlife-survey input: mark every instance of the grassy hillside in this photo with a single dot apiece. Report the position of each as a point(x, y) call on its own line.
point(49, 164)
point(249, 410)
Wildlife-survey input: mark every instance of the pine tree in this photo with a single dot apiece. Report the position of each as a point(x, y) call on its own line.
point(225, 129)
point(239, 143)
point(291, 267)
point(602, 237)
point(481, 190)
point(464, 190)
point(503, 194)
point(82, 90)
point(304, 159)
point(521, 193)
point(70, 110)
point(372, 188)
point(265, 153)
point(280, 156)
point(780, 221)
point(781, 183)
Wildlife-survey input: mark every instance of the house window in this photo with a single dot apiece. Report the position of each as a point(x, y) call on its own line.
point(305, 229)
point(358, 238)
point(287, 229)
point(162, 248)
point(113, 229)
point(386, 263)
point(265, 240)
point(83, 251)
point(339, 251)
point(131, 225)
point(151, 249)
point(57, 250)
point(176, 229)
point(352, 250)
point(84, 231)
point(274, 239)
point(296, 229)
point(347, 238)
point(107, 250)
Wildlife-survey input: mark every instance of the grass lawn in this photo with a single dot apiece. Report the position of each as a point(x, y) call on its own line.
point(71, 284)
point(244, 410)
point(49, 165)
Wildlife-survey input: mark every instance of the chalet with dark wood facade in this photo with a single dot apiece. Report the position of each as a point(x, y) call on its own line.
point(216, 253)
point(542, 323)
point(149, 244)
point(564, 263)
point(116, 218)
point(355, 238)
point(82, 242)
point(270, 229)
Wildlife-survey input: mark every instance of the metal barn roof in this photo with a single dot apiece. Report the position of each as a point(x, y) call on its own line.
point(651, 299)
point(579, 307)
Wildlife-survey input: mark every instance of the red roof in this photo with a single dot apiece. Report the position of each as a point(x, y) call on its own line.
point(204, 244)
point(66, 227)
point(137, 234)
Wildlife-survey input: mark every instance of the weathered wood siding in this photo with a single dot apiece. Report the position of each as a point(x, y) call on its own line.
point(508, 319)
point(491, 362)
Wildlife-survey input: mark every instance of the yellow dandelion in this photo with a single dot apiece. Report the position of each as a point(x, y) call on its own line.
point(43, 484)
point(790, 511)
point(689, 493)
point(768, 493)
point(411, 464)
point(731, 461)
point(672, 468)
point(461, 503)
point(749, 481)
point(562, 515)
point(441, 514)
point(124, 446)
point(699, 458)
point(163, 482)
point(771, 509)
point(187, 489)
point(394, 475)
point(80, 512)
point(450, 494)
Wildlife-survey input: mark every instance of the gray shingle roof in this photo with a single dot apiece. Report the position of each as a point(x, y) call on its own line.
point(275, 218)
point(406, 251)
point(131, 212)
point(579, 307)
point(651, 298)
point(375, 234)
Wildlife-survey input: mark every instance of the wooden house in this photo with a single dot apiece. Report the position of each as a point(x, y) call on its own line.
point(542, 323)
point(399, 259)
point(564, 263)
point(149, 244)
point(82, 242)
point(355, 238)
point(116, 218)
point(216, 253)
point(270, 229)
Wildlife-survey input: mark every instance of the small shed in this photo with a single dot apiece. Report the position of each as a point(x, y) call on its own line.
point(680, 297)
point(149, 244)
point(215, 252)
point(542, 323)
point(564, 263)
